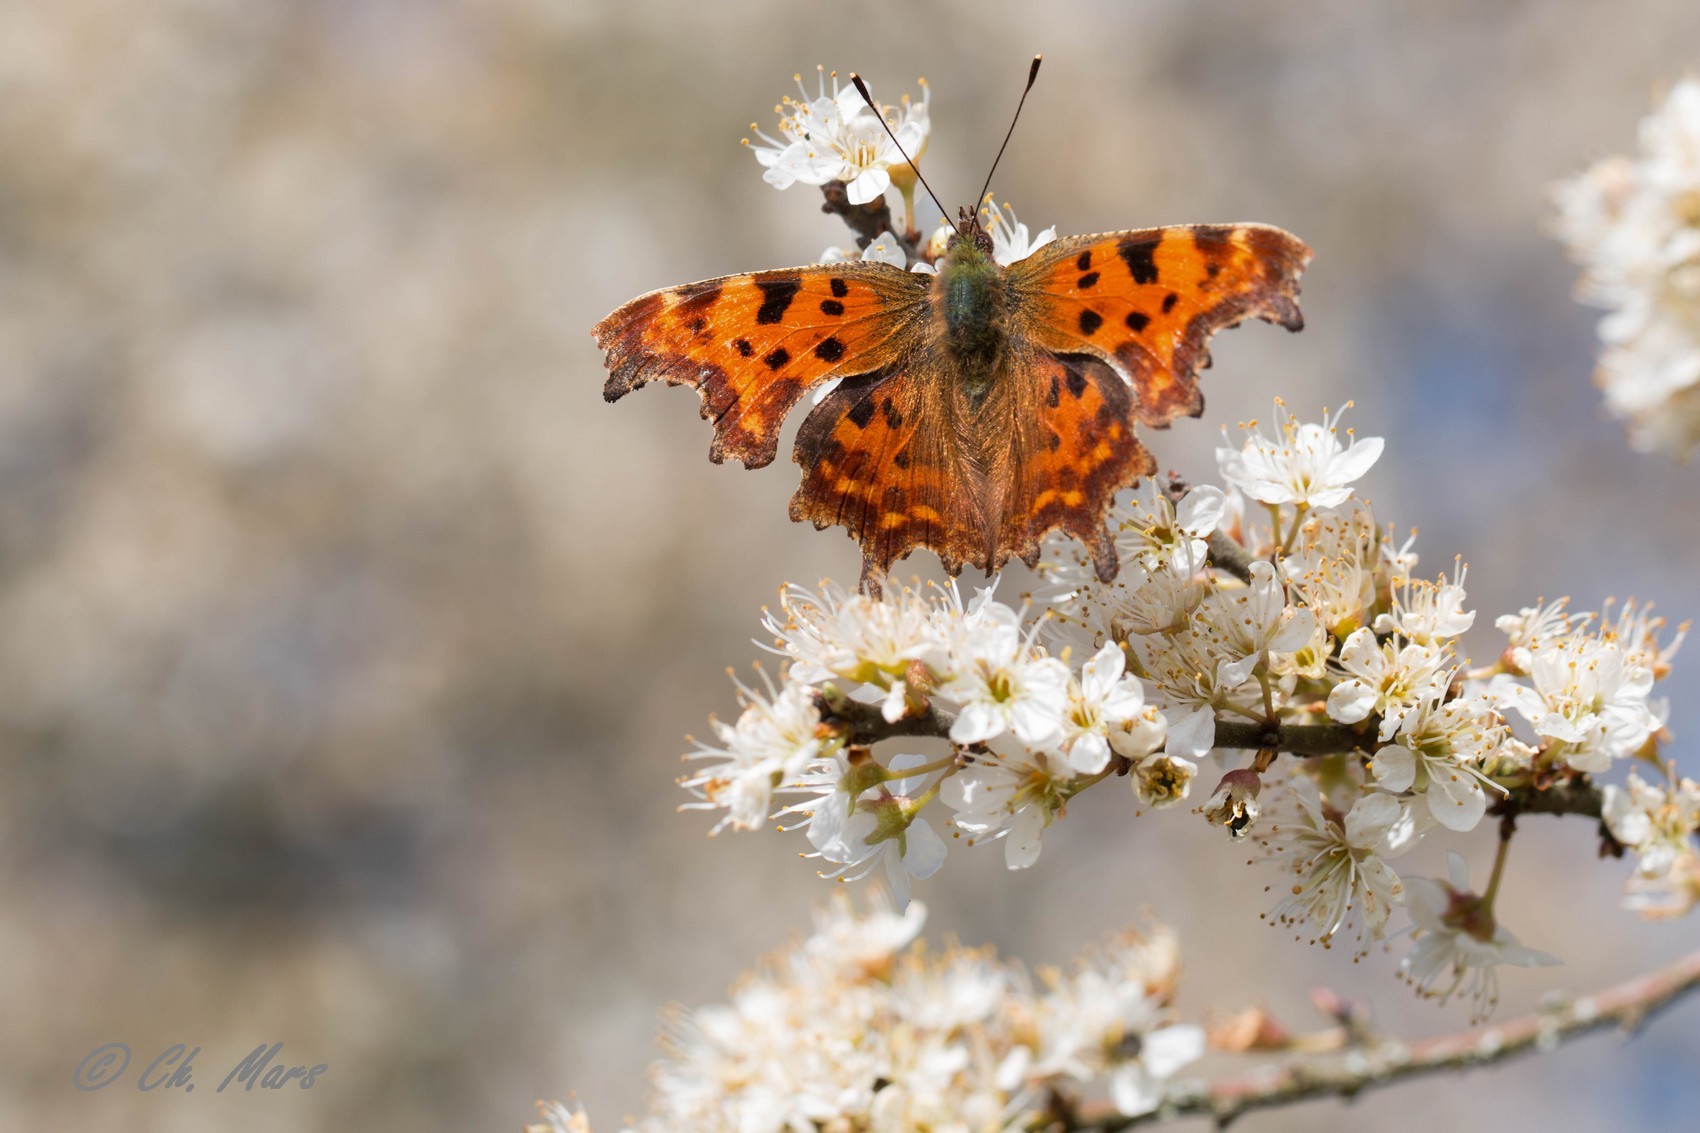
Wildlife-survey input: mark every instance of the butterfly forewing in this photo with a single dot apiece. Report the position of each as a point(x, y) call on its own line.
point(1147, 301)
point(751, 345)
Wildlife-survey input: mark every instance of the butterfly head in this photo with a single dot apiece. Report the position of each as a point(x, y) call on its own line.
point(969, 228)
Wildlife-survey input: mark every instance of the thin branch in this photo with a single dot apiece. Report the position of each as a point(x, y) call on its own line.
point(868, 221)
point(1572, 796)
point(865, 725)
point(1226, 554)
point(1295, 739)
point(1627, 1007)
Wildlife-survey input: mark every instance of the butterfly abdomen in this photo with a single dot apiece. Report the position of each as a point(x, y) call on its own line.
point(969, 297)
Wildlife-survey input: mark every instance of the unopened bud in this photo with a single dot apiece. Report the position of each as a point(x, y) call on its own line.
point(1234, 805)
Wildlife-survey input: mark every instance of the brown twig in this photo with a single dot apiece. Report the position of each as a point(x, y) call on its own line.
point(1226, 554)
point(1626, 1006)
point(865, 725)
point(868, 221)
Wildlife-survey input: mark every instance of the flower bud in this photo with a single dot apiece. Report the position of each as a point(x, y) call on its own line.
point(1234, 805)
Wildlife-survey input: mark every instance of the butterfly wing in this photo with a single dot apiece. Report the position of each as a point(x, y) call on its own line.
point(1071, 449)
point(881, 457)
point(903, 458)
point(1146, 302)
point(750, 345)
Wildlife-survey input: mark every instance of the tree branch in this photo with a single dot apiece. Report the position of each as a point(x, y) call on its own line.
point(1386, 1061)
point(865, 725)
point(1226, 554)
point(868, 221)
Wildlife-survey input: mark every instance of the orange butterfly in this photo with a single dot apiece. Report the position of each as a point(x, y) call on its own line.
point(978, 408)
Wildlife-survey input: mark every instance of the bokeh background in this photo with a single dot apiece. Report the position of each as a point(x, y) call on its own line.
point(348, 640)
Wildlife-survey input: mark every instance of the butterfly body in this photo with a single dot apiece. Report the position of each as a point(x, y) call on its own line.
point(968, 295)
point(977, 409)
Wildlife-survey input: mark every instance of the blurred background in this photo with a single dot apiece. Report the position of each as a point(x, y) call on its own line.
point(348, 639)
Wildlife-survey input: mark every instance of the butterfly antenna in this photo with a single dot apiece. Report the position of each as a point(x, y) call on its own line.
point(862, 88)
point(1032, 74)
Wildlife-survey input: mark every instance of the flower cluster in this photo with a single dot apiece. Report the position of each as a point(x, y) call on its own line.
point(857, 1027)
point(1027, 729)
point(1244, 613)
point(1634, 225)
point(837, 136)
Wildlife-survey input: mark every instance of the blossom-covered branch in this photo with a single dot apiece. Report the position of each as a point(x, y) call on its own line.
point(1383, 1061)
point(865, 724)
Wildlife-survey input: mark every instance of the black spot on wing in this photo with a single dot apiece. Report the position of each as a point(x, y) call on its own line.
point(1089, 280)
point(776, 297)
point(1140, 258)
point(831, 307)
point(742, 345)
point(1090, 321)
point(892, 417)
point(1054, 397)
point(1084, 261)
point(829, 350)
point(1169, 302)
point(862, 412)
point(778, 358)
point(839, 288)
point(1137, 321)
point(1076, 383)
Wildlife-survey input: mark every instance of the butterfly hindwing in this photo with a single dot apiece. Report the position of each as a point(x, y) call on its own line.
point(906, 458)
point(881, 459)
point(1147, 301)
point(750, 345)
point(1073, 449)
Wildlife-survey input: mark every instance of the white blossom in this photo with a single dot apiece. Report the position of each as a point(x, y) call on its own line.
point(1333, 569)
point(852, 636)
point(559, 1118)
point(1002, 683)
point(1107, 1018)
point(1533, 628)
point(1428, 612)
point(1439, 753)
point(1162, 780)
point(1336, 861)
point(1459, 944)
point(773, 741)
point(1234, 805)
point(1658, 823)
point(1246, 627)
point(1009, 795)
point(1105, 709)
point(1153, 531)
point(1010, 238)
point(1633, 226)
point(1389, 678)
point(884, 830)
point(839, 137)
point(884, 248)
point(1302, 464)
point(1587, 699)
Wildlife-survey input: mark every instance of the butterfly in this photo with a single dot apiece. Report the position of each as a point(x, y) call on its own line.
point(977, 409)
